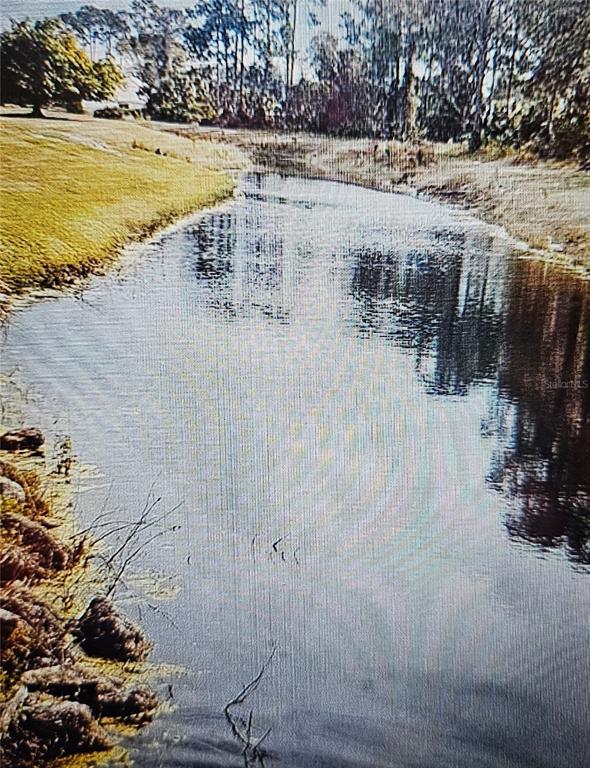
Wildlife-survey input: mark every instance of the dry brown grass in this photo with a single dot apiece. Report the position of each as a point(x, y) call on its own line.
point(33, 485)
point(543, 204)
point(53, 696)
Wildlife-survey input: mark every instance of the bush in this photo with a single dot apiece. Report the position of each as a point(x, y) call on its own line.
point(110, 113)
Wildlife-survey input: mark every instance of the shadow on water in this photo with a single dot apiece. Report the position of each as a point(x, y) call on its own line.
point(436, 304)
point(533, 341)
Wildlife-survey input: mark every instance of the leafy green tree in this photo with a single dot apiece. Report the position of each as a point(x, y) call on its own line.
point(180, 96)
point(175, 86)
point(42, 64)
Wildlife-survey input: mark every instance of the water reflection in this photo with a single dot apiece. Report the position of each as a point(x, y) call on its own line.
point(352, 397)
point(470, 317)
point(544, 381)
point(432, 302)
point(238, 276)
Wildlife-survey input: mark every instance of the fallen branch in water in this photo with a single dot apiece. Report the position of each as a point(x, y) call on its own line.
point(121, 558)
point(116, 563)
point(131, 557)
point(242, 729)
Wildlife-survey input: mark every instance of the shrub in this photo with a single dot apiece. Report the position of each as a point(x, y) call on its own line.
point(110, 113)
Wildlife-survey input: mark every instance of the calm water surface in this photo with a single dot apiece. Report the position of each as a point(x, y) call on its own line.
point(375, 420)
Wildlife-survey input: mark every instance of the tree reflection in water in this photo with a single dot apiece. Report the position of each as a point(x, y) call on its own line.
point(529, 333)
point(471, 317)
point(544, 383)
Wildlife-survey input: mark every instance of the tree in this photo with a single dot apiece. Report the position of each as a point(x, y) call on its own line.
point(181, 96)
point(483, 11)
point(511, 71)
point(217, 35)
point(341, 101)
point(177, 87)
point(96, 26)
point(42, 63)
point(556, 86)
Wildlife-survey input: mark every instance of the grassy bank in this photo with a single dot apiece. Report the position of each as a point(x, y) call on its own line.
point(74, 190)
point(544, 204)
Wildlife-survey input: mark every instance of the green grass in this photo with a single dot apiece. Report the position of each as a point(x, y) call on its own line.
point(72, 192)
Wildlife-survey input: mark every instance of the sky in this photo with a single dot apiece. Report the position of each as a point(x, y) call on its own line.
point(38, 9)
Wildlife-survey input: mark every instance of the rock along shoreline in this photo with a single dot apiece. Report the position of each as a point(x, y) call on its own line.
point(57, 698)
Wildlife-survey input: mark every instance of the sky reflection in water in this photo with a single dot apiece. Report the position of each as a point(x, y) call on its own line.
point(375, 419)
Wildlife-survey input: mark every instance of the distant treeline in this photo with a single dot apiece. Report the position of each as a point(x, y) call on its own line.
point(513, 71)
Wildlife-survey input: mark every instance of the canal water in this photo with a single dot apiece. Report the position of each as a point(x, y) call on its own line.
point(366, 419)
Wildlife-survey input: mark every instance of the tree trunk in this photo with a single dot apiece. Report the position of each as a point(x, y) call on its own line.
point(490, 108)
point(550, 132)
point(512, 68)
point(242, 41)
point(391, 110)
point(293, 33)
point(475, 138)
point(235, 65)
point(217, 71)
point(406, 102)
point(287, 42)
point(37, 111)
point(268, 52)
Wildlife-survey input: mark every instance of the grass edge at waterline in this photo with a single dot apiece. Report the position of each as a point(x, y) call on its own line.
point(75, 191)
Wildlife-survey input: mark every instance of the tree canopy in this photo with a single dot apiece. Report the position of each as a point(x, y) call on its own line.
point(511, 71)
point(43, 63)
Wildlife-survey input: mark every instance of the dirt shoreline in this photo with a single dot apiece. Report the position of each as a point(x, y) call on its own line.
point(545, 205)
